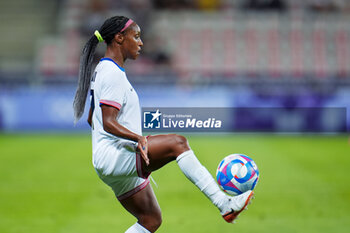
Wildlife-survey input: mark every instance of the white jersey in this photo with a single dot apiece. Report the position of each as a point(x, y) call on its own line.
point(110, 86)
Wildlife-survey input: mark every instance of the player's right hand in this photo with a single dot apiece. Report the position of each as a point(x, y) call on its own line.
point(142, 147)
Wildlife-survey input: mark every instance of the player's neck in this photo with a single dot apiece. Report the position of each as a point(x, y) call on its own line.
point(116, 55)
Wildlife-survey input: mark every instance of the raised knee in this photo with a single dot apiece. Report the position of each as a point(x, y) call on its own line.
point(181, 144)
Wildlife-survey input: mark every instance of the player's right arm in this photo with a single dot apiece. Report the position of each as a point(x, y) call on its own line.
point(111, 125)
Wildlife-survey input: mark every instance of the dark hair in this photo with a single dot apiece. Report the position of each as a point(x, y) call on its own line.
point(108, 30)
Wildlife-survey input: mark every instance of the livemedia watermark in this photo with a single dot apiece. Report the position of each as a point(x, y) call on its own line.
point(283, 120)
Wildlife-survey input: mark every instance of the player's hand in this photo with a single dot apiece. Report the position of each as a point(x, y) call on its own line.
point(143, 148)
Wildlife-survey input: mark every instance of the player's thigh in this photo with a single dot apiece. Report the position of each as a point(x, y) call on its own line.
point(143, 205)
point(163, 149)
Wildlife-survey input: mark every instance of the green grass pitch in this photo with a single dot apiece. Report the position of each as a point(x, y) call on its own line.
point(48, 184)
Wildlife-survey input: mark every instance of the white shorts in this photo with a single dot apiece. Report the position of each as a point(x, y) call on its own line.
point(120, 168)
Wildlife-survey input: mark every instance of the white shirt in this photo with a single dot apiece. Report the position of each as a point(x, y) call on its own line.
point(110, 86)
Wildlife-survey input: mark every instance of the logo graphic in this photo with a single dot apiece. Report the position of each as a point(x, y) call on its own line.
point(151, 120)
point(182, 119)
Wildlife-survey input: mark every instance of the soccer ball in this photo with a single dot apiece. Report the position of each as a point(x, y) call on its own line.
point(237, 174)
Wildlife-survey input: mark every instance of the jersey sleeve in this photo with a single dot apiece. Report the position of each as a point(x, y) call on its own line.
point(112, 93)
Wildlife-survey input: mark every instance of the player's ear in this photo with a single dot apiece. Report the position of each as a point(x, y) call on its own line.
point(119, 38)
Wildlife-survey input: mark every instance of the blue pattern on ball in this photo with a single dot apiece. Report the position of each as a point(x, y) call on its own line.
point(250, 170)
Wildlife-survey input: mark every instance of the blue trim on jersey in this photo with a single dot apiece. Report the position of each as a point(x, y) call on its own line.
point(109, 59)
point(92, 104)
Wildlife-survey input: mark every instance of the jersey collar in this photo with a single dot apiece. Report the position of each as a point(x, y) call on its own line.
point(109, 59)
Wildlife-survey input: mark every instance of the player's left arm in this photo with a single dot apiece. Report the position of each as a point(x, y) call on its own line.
point(89, 120)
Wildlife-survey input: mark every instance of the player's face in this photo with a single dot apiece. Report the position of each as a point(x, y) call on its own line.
point(133, 42)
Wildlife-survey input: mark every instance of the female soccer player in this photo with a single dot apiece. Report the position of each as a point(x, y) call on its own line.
point(122, 157)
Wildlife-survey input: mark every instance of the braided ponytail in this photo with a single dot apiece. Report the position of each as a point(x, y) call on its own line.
point(107, 32)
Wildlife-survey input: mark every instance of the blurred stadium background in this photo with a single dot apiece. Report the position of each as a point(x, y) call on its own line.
point(216, 53)
point(197, 53)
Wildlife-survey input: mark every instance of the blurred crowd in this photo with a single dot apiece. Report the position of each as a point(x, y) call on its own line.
point(136, 5)
point(141, 10)
point(55, 41)
point(156, 56)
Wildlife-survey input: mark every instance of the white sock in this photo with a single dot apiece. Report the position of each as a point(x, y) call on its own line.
point(137, 228)
point(199, 175)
